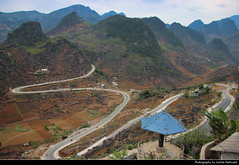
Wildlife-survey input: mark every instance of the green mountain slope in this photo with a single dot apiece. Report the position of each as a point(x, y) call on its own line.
point(162, 33)
point(27, 51)
point(67, 22)
point(27, 34)
point(142, 56)
point(220, 45)
point(206, 55)
point(139, 38)
point(125, 48)
point(232, 42)
point(185, 33)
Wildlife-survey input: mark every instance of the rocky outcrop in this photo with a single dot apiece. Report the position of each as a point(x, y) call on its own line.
point(27, 34)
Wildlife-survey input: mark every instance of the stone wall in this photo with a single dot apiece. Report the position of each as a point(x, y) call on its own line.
point(205, 151)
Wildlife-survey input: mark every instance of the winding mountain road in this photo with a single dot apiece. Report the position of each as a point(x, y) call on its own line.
point(17, 90)
point(226, 104)
point(52, 152)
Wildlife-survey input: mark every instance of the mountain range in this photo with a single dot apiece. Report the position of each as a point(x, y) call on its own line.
point(225, 29)
point(217, 29)
point(143, 51)
point(10, 21)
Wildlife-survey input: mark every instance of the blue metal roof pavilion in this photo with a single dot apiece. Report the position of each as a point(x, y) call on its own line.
point(163, 123)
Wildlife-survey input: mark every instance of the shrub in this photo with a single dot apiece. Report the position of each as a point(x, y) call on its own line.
point(130, 147)
point(193, 142)
point(219, 94)
point(200, 86)
point(153, 91)
point(206, 90)
point(85, 125)
point(118, 155)
point(46, 127)
point(186, 94)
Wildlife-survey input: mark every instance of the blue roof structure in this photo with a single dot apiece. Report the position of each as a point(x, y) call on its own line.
point(163, 123)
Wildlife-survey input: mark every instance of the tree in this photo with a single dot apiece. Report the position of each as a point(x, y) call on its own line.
point(186, 94)
point(206, 90)
point(193, 142)
point(218, 121)
point(201, 86)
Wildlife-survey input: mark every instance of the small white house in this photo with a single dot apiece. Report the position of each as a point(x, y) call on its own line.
point(135, 91)
point(41, 71)
point(114, 83)
point(44, 70)
point(101, 85)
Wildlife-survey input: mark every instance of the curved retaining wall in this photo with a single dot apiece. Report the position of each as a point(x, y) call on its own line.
point(205, 151)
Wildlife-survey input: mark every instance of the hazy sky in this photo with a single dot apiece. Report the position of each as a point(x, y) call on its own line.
point(182, 11)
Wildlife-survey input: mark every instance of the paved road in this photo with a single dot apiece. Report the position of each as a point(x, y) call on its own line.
point(52, 152)
point(18, 89)
point(226, 103)
point(161, 107)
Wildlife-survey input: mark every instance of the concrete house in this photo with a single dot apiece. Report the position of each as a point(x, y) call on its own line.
point(229, 148)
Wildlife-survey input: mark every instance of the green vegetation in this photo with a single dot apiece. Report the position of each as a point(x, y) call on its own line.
point(5, 59)
point(206, 90)
point(153, 91)
point(27, 34)
point(200, 86)
point(35, 144)
point(126, 44)
point(46, 127)
point(186, 94)
point(131, 146)
point(85, 125)
point(138, 37)
point(69, 20)
point(118, 155)
point(36, 48)
point(221, 125)
point(93, 113)
point(19, 128)
point(193, 141)
point(101, 73)
point(47, 45)
point(6, 129)
point(219, 44)
point(218, 121)
point(57, 132)
point(202, 90)
point(188, 33)
point(162, 33)
point(219, 94)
